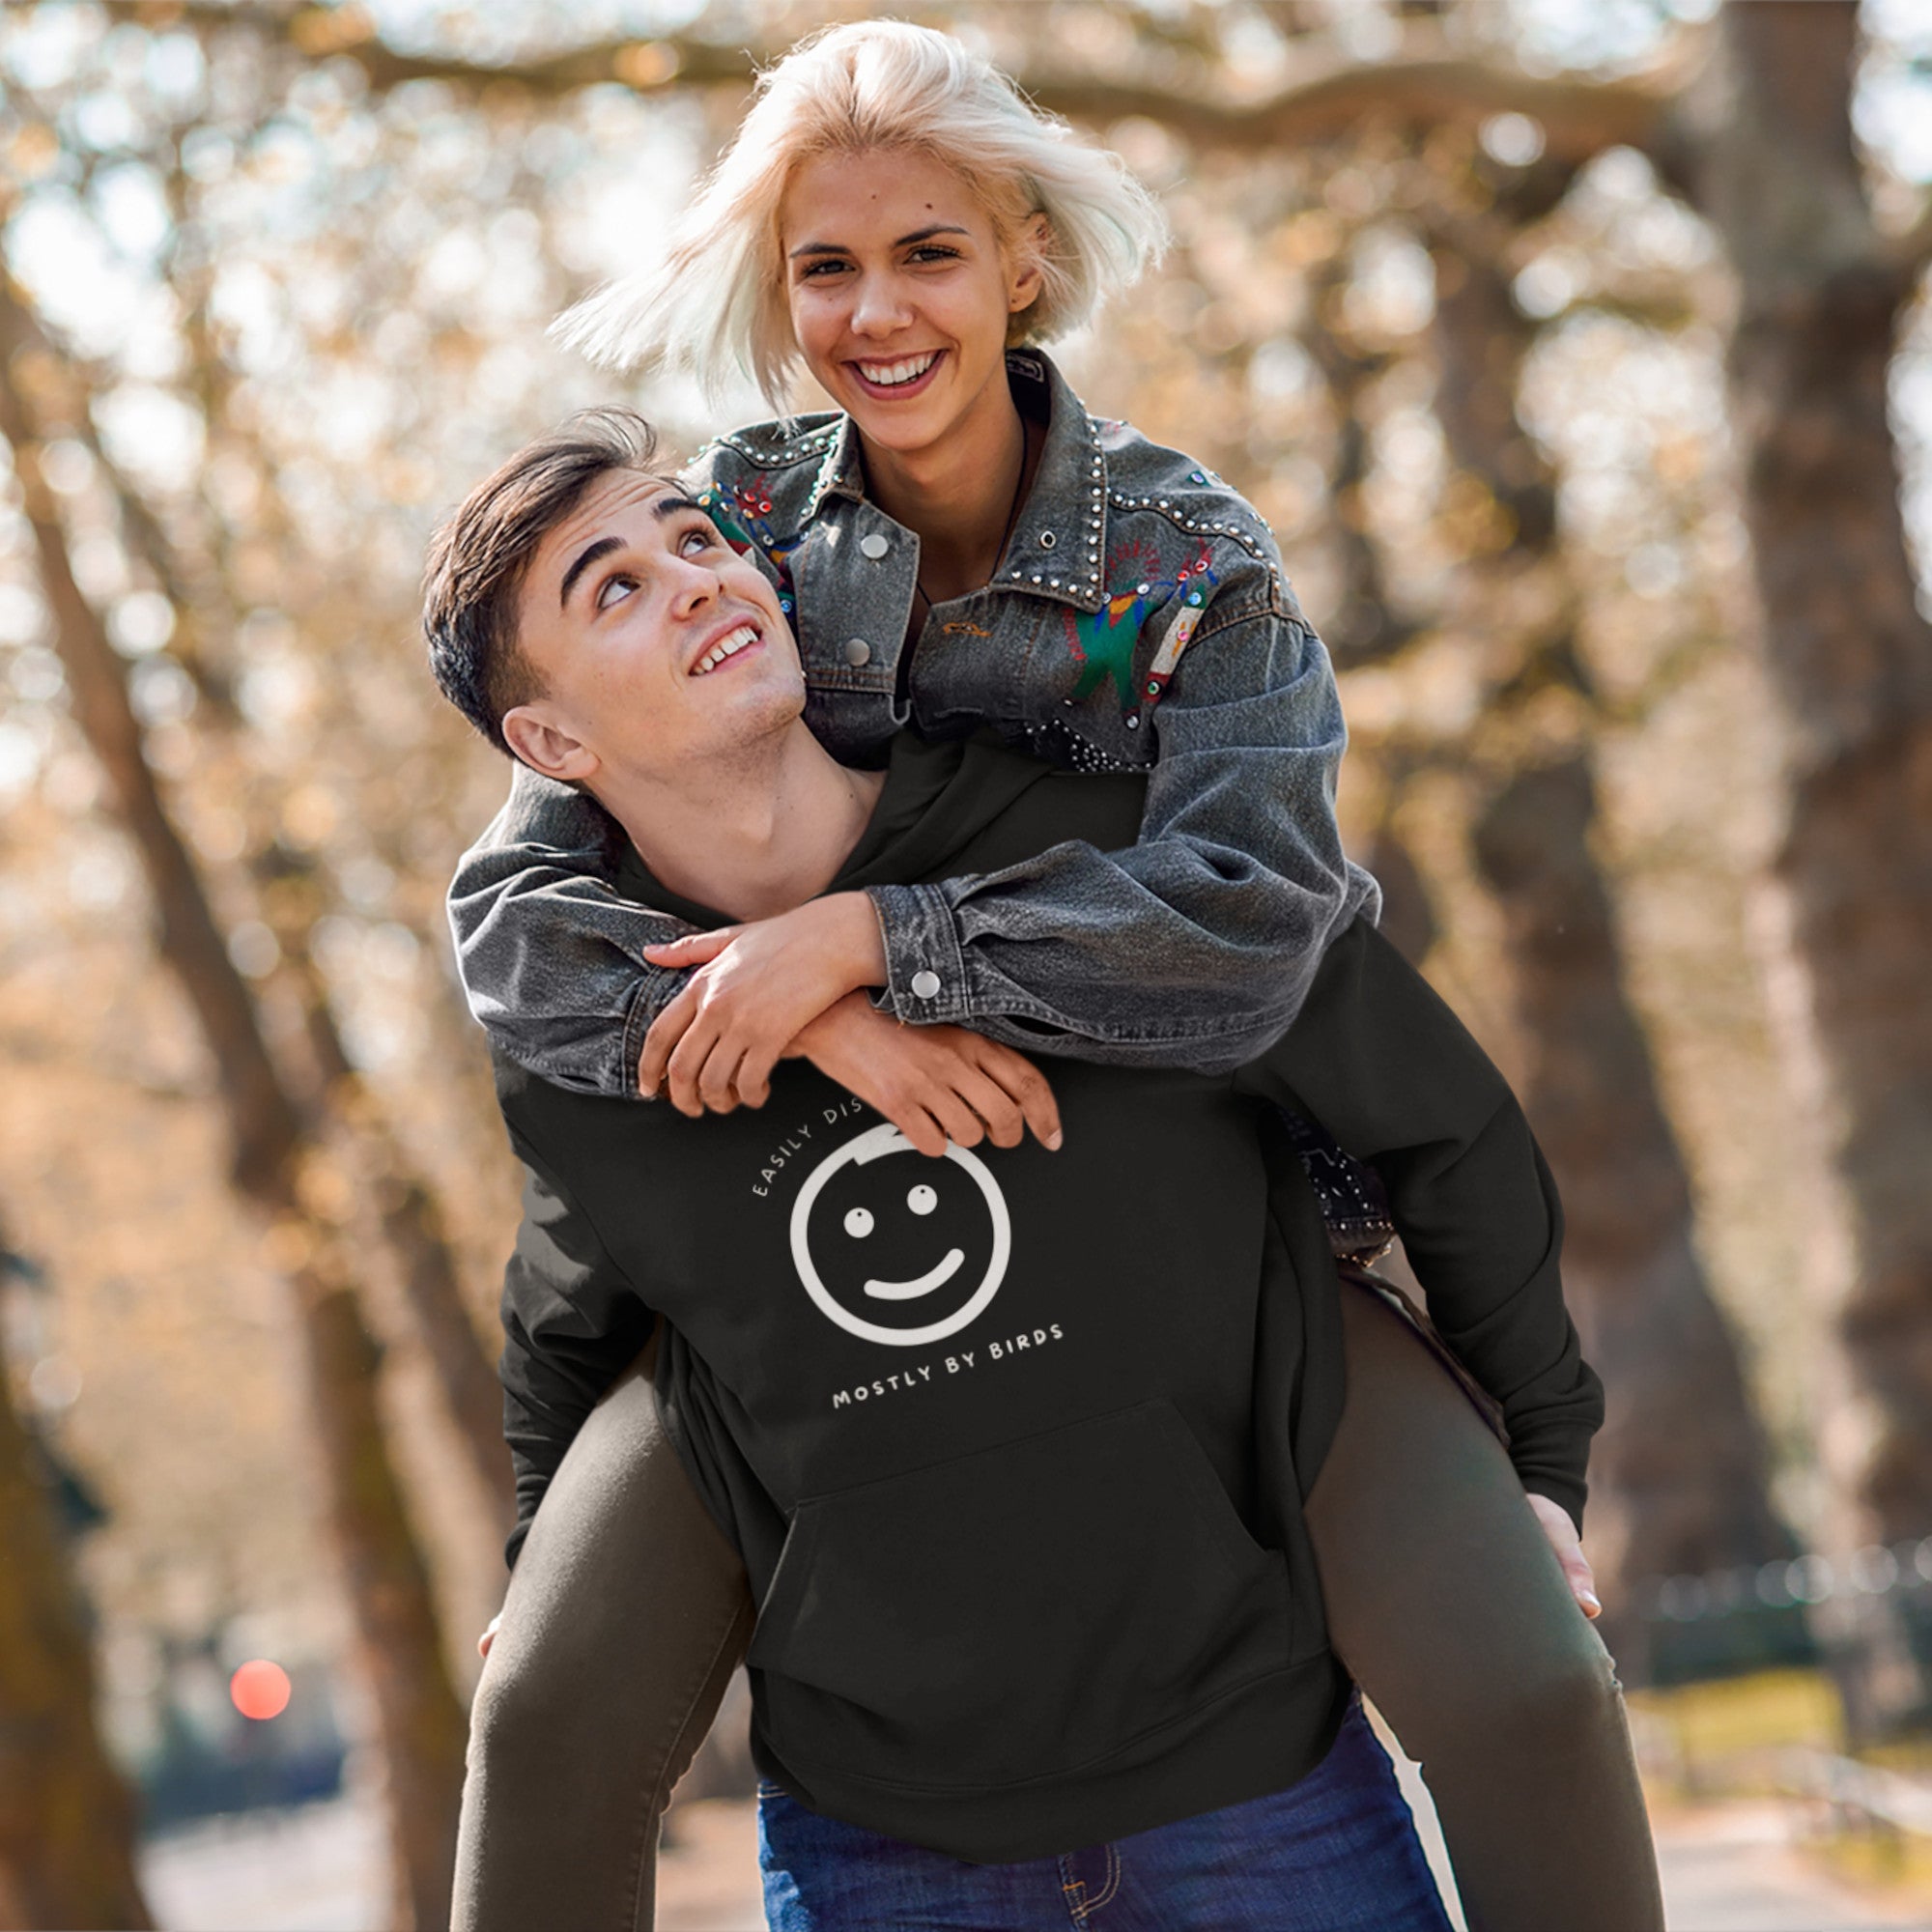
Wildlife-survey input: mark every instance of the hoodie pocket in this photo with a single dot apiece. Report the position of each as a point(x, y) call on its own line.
point(1018, 1612)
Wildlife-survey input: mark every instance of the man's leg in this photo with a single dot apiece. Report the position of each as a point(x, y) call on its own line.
point(1446, 1603)
point(626, 1614)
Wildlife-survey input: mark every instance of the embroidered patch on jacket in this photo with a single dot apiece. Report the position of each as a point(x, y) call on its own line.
point(1104, 642)
point(742, 514)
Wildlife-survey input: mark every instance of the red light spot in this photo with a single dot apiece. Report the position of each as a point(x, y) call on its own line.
point(260, 1688)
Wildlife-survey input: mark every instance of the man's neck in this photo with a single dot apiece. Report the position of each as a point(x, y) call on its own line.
point(752, 832)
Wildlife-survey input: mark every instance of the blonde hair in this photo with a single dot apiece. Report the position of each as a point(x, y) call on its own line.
point(716, 302)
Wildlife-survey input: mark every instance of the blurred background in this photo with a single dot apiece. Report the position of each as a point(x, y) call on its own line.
point(1577, 350)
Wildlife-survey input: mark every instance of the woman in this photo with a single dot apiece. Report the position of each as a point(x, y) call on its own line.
point(892, 213)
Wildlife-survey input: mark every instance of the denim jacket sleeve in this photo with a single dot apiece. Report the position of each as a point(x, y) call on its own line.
point(1394, 1076)
point(1197, 945)
point(549, 951)
point(571, 1324)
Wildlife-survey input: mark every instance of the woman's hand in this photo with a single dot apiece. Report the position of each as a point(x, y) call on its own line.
point(1569, 1548)
point(755, 987)
point(934, 1083)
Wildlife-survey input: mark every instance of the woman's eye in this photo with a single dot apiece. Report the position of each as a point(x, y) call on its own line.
point(929, 252)
point(816, 271)
point(921, 1200)
point(859, 1223)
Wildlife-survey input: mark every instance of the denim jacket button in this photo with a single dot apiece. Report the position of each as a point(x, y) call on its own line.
point(925, 984)
point(856, 652)
point(875, 547)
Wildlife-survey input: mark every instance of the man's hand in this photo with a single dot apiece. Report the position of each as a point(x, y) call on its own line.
point(489, 1636)
point(756, 987)
point(934, 1083)
point(1569, 1548)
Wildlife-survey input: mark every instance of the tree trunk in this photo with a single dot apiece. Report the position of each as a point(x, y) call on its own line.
point(419, 1721)
point(1681, 1465)
point(1850, 660)
point(67, 1821)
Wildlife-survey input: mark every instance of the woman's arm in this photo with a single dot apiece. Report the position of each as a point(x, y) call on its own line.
point(1182, 929)
point(1194, 941)
point(1392, 1073)
point(551, 955)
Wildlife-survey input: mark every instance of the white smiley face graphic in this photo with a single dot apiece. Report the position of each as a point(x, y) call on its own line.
point(871, 1233)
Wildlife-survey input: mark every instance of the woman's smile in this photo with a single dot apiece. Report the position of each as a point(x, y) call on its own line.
point(897, 378)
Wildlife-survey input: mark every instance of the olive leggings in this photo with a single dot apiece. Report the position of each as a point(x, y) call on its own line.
point(628, 1611)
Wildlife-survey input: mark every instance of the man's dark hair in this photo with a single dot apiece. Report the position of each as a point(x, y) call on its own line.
point(478, 559)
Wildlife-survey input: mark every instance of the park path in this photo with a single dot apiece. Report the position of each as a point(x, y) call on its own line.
point(1729, 1868)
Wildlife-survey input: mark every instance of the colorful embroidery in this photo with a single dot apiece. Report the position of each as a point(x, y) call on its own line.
point(1104, 640)
point(742, 515)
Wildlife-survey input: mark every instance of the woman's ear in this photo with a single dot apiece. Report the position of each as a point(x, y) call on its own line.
point(546, 747)
point(1029, 256)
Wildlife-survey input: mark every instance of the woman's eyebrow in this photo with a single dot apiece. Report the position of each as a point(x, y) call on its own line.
point(905, 240)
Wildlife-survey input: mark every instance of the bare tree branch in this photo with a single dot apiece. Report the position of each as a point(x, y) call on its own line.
point(1580, 118)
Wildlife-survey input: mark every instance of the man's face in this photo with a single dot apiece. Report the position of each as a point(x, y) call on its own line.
point(656, 644)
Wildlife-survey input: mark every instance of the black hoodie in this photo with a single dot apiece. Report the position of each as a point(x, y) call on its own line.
point(1013, 1443)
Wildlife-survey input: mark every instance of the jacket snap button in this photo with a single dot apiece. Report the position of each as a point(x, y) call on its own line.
point(873, 546)
point(925, 984)
point(856, 652)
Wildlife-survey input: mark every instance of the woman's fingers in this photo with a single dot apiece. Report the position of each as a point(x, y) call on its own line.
point(691, 948)
point(661, 1041)
point(1006, 1124)
point(1569, 1548)
point(685, 1068)
point(943, 1102)
point(1028, 1086)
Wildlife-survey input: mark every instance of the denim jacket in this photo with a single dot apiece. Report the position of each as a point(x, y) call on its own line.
point(1139, 619)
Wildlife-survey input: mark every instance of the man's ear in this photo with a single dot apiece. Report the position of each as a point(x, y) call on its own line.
point(546, 747)
point(1029, 252)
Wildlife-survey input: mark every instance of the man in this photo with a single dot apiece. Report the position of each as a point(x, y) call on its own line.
point(898, 1371)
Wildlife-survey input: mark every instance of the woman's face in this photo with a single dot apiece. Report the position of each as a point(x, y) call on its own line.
point(901, 294)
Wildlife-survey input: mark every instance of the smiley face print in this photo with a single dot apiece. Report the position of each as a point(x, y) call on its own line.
point(897, 1247)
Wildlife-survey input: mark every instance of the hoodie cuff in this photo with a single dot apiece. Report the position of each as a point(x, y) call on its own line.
point(925, 970)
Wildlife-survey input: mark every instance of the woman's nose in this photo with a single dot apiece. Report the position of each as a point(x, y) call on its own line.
point(879, 306)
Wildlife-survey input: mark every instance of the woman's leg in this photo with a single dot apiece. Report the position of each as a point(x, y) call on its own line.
point(1446, 1603)
point(626, 1614)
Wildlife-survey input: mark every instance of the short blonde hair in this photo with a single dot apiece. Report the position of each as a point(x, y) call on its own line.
point(717, 301)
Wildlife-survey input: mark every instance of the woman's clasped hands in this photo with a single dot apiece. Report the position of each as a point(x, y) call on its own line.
point(793, 986)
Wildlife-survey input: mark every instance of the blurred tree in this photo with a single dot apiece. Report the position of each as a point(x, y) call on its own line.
point(1822, 300)
point(66, 1820)
point(282, 1170)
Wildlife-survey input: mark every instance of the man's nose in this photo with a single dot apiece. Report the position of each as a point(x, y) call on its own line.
point(697, 586)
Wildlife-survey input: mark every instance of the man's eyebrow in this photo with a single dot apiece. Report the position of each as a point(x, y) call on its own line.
point(586, 557)
point(670, 506)
point(667, 505)
point(905, 240)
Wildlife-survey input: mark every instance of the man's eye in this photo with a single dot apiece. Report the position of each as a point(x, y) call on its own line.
point(703, 536)
point(620, 581)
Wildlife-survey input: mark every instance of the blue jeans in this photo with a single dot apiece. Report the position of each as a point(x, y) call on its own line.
point(1335, 1853)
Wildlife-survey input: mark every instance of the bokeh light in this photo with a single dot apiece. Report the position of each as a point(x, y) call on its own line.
point(260, 1688)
